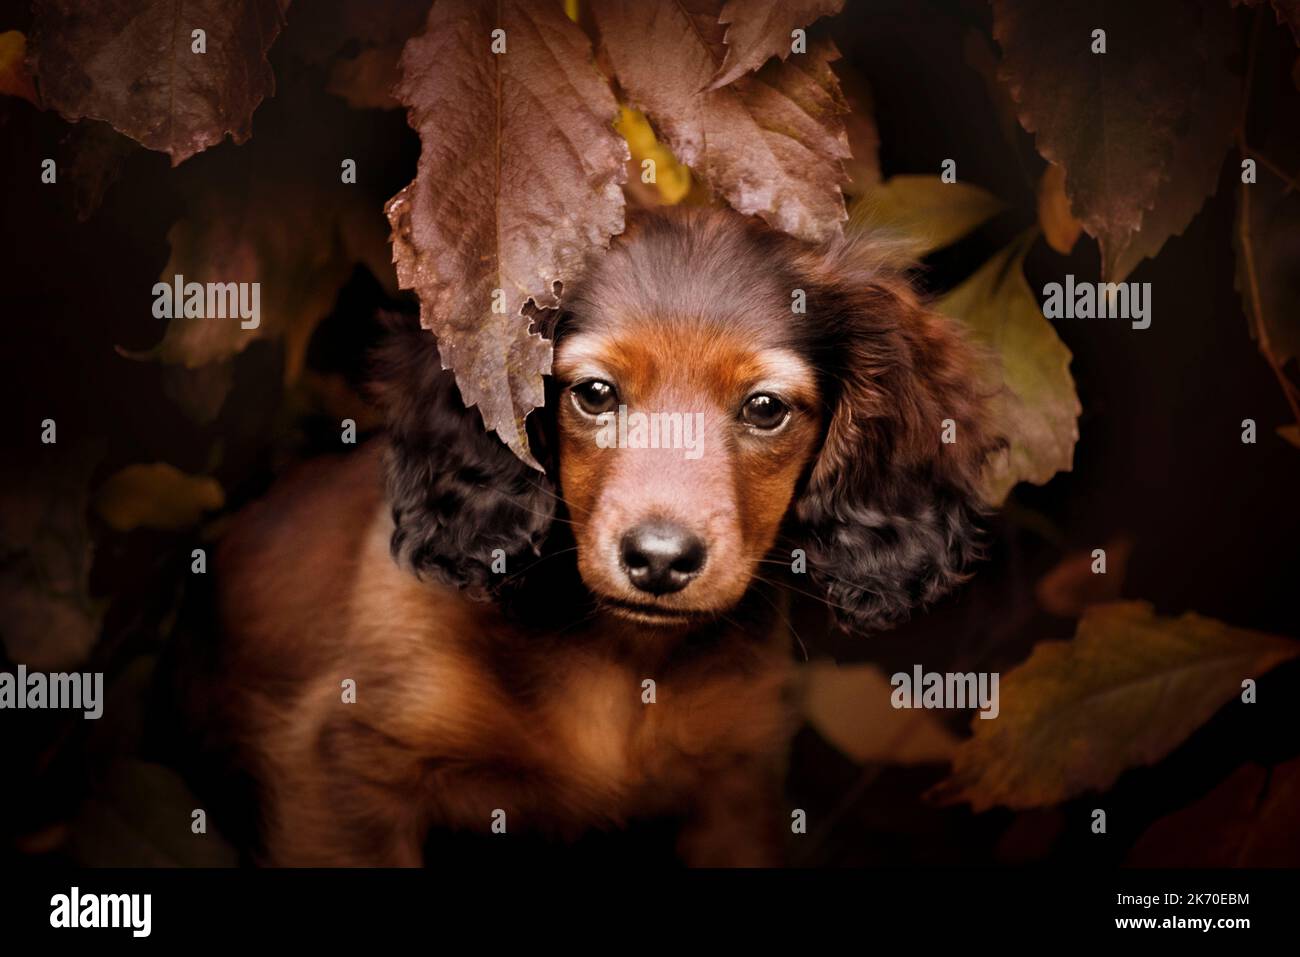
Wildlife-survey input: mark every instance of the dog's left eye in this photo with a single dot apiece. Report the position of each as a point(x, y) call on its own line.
point(595, 396)
point(764, 411)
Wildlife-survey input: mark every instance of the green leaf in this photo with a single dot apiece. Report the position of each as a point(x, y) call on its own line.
point(924, 212)
point(1037, 408)
point(1128, 689)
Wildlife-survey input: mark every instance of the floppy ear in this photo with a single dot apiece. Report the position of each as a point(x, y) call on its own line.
point(457, 492)
point(889, 508)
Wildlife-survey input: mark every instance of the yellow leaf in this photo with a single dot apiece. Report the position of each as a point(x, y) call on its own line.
point(924, 212)
point(672, 179)
point(14, 78)
point(157, 496)
point(1036, 407)
point(1060, 228)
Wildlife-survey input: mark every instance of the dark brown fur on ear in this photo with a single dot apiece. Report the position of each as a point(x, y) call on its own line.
point(457, 492)
point(890, 511)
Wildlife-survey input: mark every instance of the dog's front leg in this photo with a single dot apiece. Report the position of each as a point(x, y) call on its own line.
point(349, 800)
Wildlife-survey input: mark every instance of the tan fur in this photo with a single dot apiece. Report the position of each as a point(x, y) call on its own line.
point(434, 739)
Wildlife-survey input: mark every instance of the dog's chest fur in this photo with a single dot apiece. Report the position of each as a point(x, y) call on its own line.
point(598, 723)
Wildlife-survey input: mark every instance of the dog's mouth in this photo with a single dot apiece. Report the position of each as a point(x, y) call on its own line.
point(650, 614)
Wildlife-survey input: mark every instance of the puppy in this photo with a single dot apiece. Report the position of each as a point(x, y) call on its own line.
point(430, 634)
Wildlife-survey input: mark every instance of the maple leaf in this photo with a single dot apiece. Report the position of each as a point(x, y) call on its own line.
point(132, 64)
point(758, 30)
point(772, 143)
point(519, 179)
point(1139, 130)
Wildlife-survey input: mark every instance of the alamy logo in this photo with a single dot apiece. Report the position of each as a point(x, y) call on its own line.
point(1099, 300)
point(75, 909)
point(932, 689)
point(652, 430)
point(57, 691)
point(214, 300)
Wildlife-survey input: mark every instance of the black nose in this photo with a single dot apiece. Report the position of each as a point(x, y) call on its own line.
point(661, 557)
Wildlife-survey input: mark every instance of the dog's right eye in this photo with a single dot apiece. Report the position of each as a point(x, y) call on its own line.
point(595, 397)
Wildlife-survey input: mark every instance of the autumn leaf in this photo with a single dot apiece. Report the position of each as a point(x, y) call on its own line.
point(922, 212)
point(133, 66)
point(772, 143)
point(1139, 130)
point(863, 167)
point(1267, 240)
point(158, 496)
point(1128, 689)
point(519, 179)
point(672, 180)
point(849, 706)
point(14, 78)
point(1200, 144)
point(1249, 820)
point(1036, 407)
point(1073, 585)
point(50, 622)
point(299, 254)
point(758, 30)
point(1060, 228)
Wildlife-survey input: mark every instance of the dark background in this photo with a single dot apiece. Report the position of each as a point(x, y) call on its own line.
point(1159, 460)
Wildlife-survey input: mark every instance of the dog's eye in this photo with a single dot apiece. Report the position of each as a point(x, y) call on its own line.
point(764, 411)
point(595, 397)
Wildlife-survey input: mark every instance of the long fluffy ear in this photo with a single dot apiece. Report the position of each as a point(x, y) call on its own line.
point(457, 492)
point(890, 509)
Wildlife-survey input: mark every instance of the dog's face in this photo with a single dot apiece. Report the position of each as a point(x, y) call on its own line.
point(682, 434)
point(715, 383)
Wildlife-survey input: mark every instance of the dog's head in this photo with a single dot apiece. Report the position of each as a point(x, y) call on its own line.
point(717, 385)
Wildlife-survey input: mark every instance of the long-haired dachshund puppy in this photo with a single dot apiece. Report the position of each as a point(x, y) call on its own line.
point(430, 634)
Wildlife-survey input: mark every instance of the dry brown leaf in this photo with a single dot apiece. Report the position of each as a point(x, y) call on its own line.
point(758, 30)
point(1124, 123)
point(158, 496)
point(519, 179)
point(133, 66)
point(1071, 586)
point(772, 143)
point(1252, 819)
point(1060, 229)
point(1128, 689)
point(298, 243)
